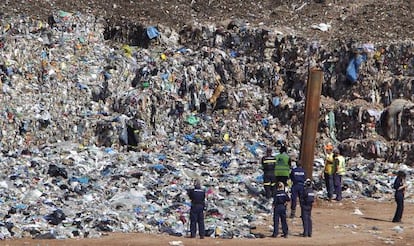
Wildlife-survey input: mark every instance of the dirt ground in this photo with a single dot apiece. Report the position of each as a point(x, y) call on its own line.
point(333, 224)
point(362, 20)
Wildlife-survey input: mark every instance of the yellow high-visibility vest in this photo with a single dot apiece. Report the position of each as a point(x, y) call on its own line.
point(340, 165)
point(329, 162)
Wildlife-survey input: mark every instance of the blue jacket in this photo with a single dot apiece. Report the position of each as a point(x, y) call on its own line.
point(297, 175)
point(308, 197)
point(397, 183)
point(197, 196)
point(280, 197)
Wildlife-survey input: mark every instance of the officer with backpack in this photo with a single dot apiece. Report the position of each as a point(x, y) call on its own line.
point(306, 202)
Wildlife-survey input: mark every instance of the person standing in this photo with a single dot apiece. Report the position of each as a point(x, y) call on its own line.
point(328, 170)
point(280, 200)
point(297, 175)
point(399, 186)
point(269, 178)
point(339, 172)
point(282, 166)
point(197, 196)
point(306, 202)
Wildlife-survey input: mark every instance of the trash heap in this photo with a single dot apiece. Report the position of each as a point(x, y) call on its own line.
point(100, 136)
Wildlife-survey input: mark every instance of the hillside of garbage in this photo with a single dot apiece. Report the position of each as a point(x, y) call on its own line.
point(106, 122)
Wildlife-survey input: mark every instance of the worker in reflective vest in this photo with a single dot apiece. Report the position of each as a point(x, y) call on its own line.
point(328, 171)
point(269, 178)
point(282, 167)
point(339, 172)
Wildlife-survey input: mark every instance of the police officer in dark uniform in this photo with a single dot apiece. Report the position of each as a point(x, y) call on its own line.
point(269, 178)
point(280, 200)
point(399, 186)
point(197, 196)
point(306, 202)
point(297, 175)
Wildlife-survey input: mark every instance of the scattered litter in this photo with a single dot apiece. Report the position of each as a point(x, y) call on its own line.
point(102, 136)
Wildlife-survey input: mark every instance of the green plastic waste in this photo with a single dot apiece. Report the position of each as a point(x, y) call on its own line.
point(145, 84)
point(63, 14)
point(192, 120)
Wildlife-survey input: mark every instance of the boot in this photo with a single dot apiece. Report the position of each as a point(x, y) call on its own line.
point(292, 213)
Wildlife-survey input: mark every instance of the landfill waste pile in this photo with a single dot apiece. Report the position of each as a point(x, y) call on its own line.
point(105, 126)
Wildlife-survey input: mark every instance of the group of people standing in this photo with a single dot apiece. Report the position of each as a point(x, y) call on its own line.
point(333, 172)
point(276, 173)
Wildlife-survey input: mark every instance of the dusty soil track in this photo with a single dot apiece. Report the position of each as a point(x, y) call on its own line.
point(334, 224)
point(363, 20)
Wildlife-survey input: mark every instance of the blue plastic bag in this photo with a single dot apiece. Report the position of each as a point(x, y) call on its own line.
point(353, 67)
point(152, 32)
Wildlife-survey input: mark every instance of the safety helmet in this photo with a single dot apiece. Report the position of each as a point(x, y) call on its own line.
point(329, 146)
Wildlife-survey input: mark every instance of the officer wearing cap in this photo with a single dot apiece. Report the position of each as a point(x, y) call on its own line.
point(306, 202)
point(297, 176)
point(197, 196)
point(269, 178)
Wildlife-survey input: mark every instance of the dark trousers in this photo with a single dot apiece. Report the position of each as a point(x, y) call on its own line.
point(269, 182)
point(329, 184)
point(197, 218)
point(306, 211)
point(297, 192)
point(399, 199)
point(338, 186)
point(279, 213)
point(282, 179)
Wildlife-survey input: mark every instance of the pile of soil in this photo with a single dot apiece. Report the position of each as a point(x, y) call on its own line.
point(361, 20)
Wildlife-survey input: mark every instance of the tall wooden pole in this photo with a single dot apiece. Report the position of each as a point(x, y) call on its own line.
point(311, 120)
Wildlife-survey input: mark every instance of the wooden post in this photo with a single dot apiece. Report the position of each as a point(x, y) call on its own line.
point(311, 120)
